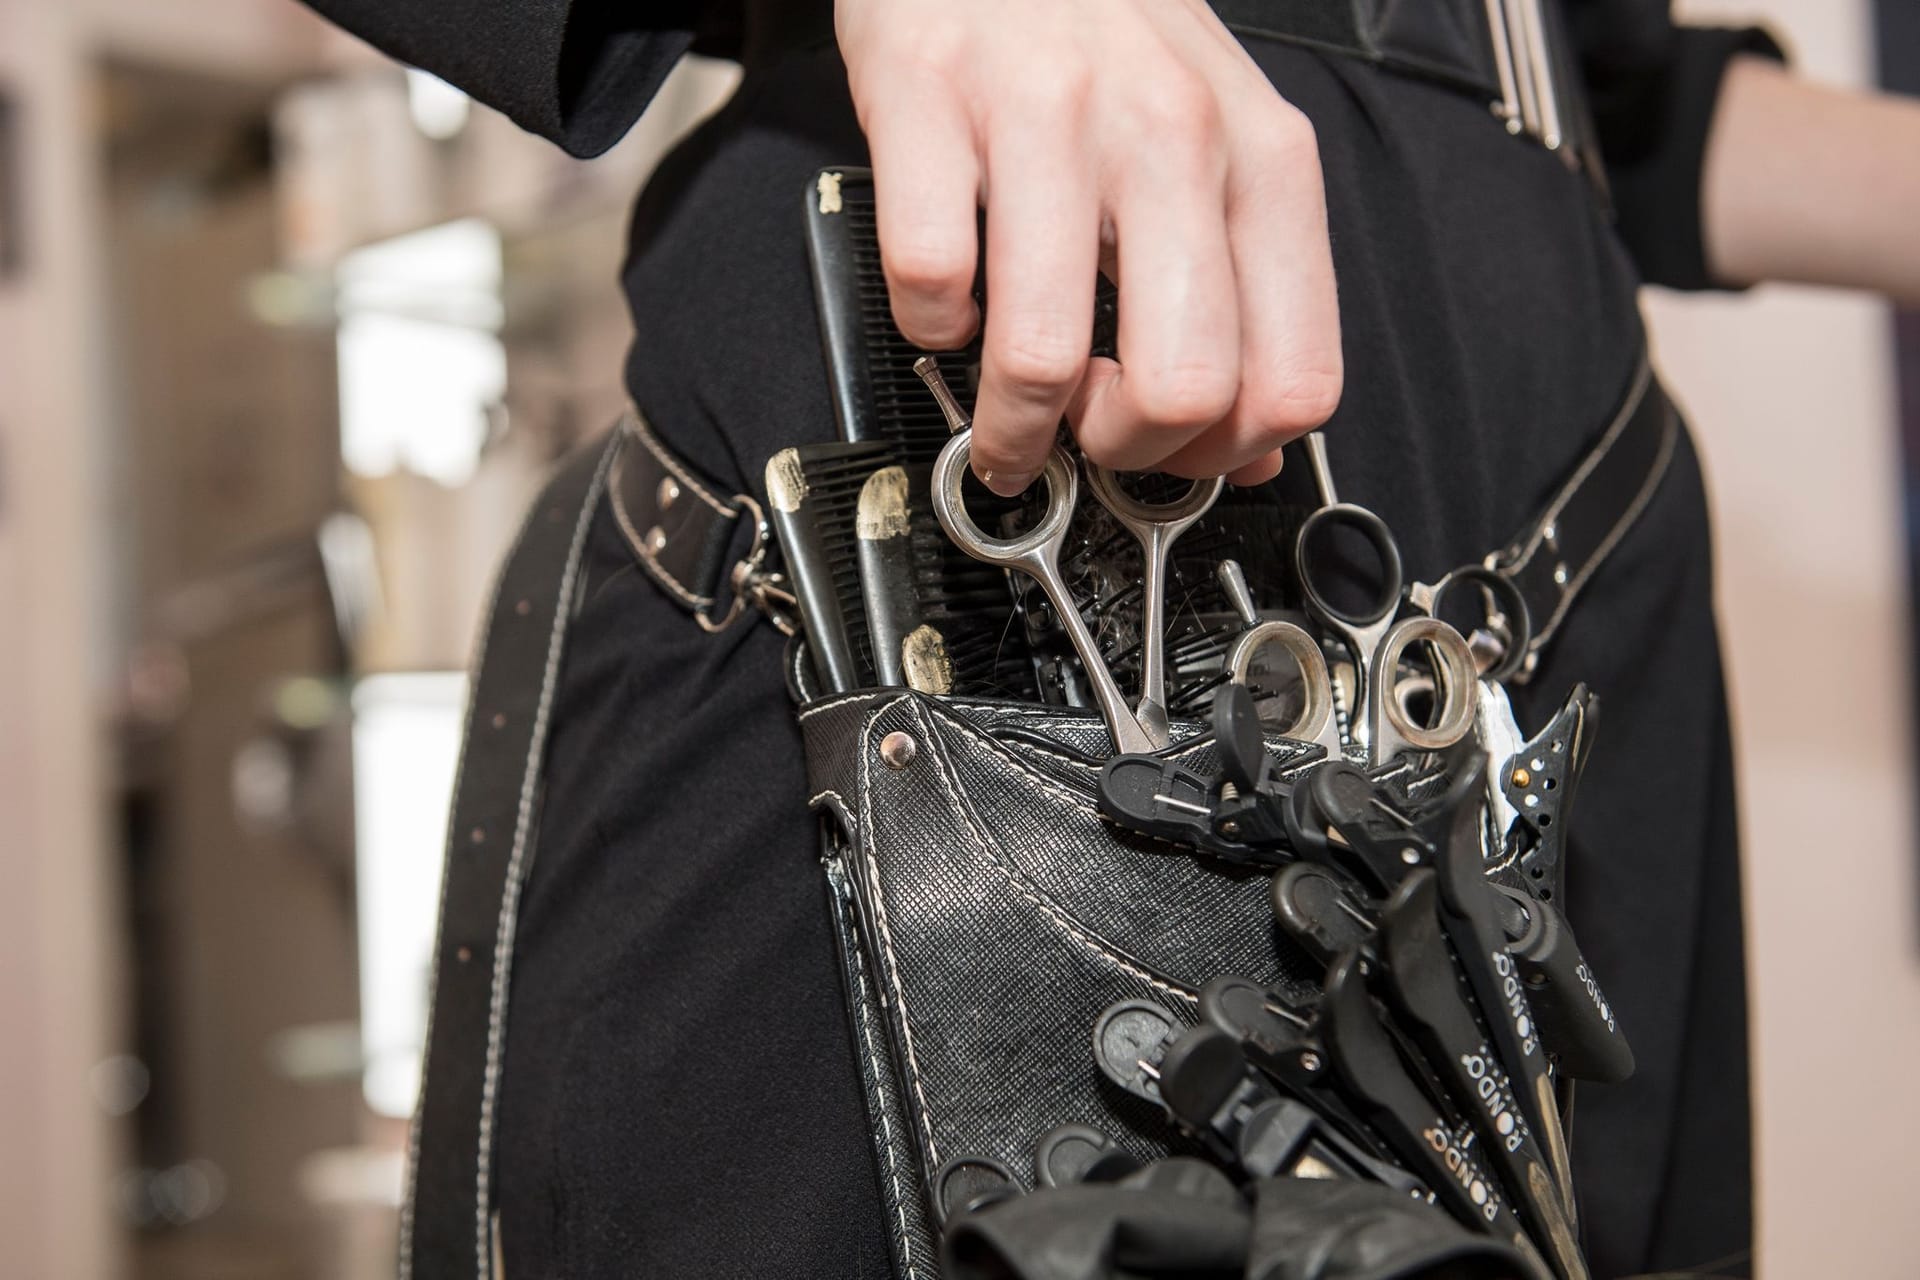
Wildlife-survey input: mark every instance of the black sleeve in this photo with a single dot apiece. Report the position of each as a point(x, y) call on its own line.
point(576, 71)
point(1654, 88)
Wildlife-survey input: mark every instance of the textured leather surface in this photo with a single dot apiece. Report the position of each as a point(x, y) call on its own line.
point(680, 527)
point(1151, 1224)
point(998, 914)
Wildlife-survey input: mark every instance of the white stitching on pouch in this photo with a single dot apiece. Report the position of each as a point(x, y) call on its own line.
point(815, 708)
point(1053, 912)
point(874, 1060)
point(886, 930)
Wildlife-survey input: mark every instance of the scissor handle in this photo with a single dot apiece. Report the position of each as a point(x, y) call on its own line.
point(1505, 606)
point(1130, 509)
point(1043, 540)
point(1456, 686)
point(1315, 723)
point(1369, 526)
point(1037, 554)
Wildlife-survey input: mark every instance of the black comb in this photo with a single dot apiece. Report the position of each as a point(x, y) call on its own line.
point(876, 395)
point(878, 398)
point(813, 497)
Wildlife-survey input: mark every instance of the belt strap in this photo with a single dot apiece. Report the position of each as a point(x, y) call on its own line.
point(685, 546)
point(683, 533)
point(1555, 555)
point(446, 1222)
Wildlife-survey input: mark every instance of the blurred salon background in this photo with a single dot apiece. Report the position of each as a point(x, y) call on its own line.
point(288, 337)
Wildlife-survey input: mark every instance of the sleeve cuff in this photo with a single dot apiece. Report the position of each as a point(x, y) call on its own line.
point(1654, 132)
point(607, 74)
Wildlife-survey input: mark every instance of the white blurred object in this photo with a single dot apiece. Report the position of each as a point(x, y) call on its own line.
point(421, 363)
point(439, 110)
point(406, 744)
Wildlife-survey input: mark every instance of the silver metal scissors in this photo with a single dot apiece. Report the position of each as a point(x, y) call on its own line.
point(1314, 722)
point(1373, 632)
point(1139, 729)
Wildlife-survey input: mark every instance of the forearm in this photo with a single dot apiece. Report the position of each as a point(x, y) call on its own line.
point(1812, 184)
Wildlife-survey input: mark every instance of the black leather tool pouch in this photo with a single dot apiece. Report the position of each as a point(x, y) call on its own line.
point(986, 915)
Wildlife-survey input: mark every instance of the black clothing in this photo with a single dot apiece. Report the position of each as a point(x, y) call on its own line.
point(679, 1094)
point(579, 72)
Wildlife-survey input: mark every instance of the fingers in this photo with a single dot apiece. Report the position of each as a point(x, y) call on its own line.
point(1043, 220)
point(1180, 325)
point(1291, 369)
point(1150, 140)
point(926, 195)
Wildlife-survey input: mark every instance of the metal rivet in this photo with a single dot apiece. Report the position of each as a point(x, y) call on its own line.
point(1230, 828)
point(656, 540)
point(1560, 575)
point(478, 835)
point(464, 954)
point(898, 750)
point(499, 720)
point(1521, 778)
point(669, 492)
point(523, 607)
point(1310, 1062)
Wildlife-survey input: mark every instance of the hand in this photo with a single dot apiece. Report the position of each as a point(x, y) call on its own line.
point(1131, 135)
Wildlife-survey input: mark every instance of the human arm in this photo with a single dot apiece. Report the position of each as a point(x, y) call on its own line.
point(1812, 184)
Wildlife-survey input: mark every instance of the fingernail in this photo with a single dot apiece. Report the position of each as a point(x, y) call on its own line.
point(1008, 484)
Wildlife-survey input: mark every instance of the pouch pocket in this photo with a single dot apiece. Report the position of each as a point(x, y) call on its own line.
point(989, 914)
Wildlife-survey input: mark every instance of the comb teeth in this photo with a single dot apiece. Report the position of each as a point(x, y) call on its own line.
point(833, 488)
point(904, 414)
point(814, 496)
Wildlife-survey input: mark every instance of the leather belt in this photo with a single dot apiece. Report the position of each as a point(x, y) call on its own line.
point(684, 534)
point(447, 1220)
point(1579, 526)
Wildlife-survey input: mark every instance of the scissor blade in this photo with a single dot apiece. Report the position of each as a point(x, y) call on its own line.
point(1152, 718)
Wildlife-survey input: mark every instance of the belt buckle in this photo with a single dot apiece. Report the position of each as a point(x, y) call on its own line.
point(753, 582)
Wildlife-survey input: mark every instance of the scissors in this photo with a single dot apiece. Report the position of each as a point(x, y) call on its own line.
point(1372, 631)
point(1314, 722)
point(1140, 729)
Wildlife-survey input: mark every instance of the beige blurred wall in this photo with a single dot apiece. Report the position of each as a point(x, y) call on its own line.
point(1791, 394)
point(59, 1008)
